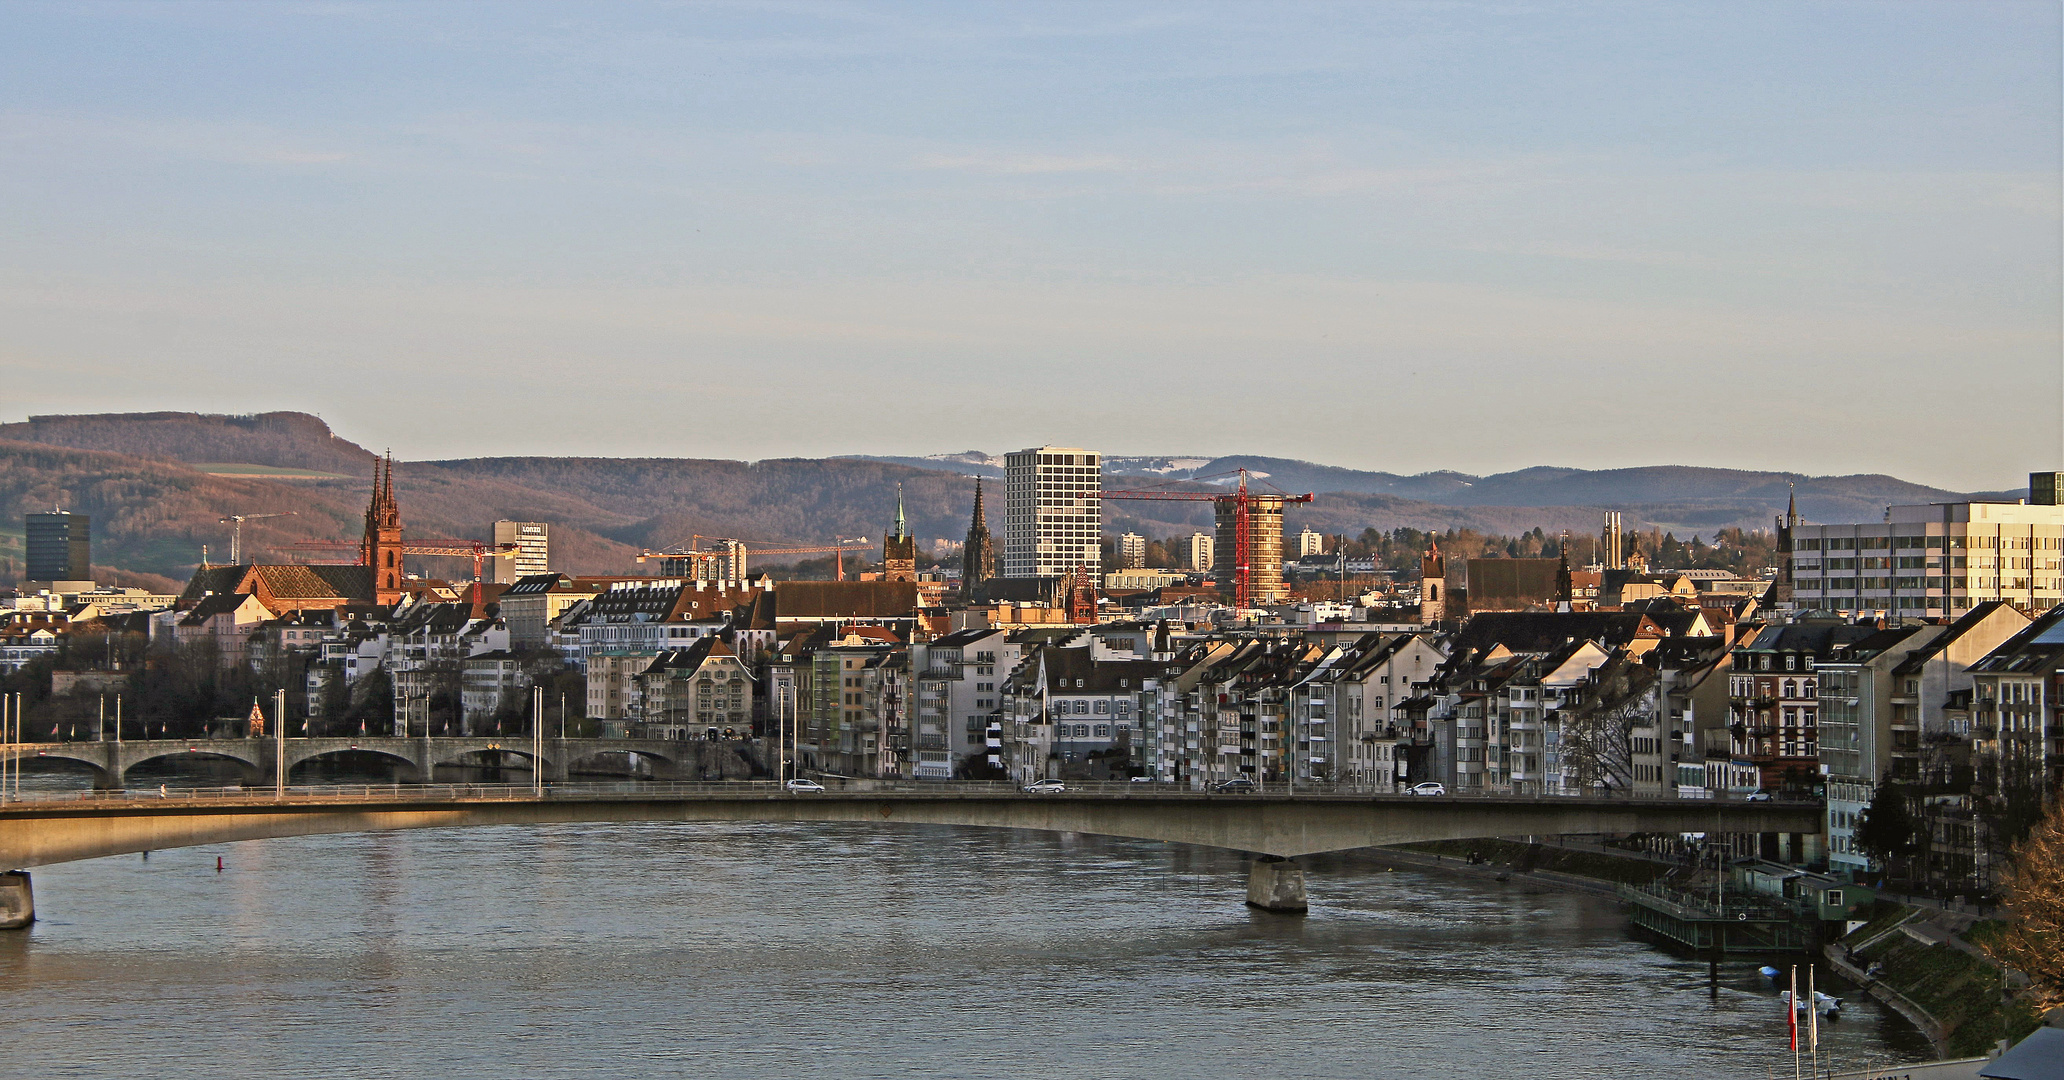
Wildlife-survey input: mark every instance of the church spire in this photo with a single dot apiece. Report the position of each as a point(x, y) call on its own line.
point(978, 554)
point(901, 531)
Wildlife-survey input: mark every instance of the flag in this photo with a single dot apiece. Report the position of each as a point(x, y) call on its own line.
point(1792, 1010)
point(1812, 1015)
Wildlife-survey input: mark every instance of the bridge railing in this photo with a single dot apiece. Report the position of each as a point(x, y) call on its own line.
point(649, 789)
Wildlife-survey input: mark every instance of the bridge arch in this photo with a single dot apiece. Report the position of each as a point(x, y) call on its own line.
point(666, 767)
point(55, 752)
point(470, 758)
point(308, 757)
point(251, 769)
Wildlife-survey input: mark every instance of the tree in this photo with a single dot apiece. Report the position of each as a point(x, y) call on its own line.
point(2033, 940)
point(1886, 830)
point(1598, 734)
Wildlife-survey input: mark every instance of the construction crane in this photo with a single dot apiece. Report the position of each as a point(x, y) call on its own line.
point(1242, 501)
point(236, 535)
point(463, 549)
point(699, 557)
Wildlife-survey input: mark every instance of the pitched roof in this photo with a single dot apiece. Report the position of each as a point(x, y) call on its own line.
point(1919, 658)
point(845, 600)
point(1539, 631)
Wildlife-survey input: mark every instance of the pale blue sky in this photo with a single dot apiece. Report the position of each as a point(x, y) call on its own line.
point(1820, 237)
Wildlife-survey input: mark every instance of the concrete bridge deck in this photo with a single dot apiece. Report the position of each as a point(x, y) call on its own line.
point(43, 831)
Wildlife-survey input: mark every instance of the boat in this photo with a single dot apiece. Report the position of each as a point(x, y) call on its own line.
point(1770, 973)
point(1825, 1004)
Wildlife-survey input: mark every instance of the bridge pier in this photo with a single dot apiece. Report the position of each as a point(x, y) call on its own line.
point(17, 900)
point(1276, 884)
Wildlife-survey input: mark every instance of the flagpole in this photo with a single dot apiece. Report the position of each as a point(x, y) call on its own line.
point(1813, 1021)
point(1792, 1020)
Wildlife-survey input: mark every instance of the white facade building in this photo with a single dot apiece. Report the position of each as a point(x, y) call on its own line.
point(1132, 551)
point(1936, 560)
point(1053, 513)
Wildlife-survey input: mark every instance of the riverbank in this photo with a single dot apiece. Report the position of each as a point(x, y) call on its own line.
point(1918, 962)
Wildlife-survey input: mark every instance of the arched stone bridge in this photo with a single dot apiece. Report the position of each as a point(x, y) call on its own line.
point(1278, 827)
point(111, 761)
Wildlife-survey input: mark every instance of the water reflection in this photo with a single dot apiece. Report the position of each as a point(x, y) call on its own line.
point(837, 951)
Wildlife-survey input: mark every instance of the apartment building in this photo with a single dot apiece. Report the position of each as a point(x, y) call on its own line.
point(1933, 561)
point(1132, 551)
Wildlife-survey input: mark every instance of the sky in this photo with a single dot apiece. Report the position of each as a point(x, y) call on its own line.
point(1815, 237)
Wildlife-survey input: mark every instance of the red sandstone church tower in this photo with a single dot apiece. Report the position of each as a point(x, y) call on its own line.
point(380, 551)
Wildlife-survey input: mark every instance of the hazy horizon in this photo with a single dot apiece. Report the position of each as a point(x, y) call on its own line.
point(1819, 238)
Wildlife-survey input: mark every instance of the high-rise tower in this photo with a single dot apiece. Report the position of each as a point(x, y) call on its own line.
point(899, 549)
point(58, 547)
point(978, 555)
point(1053, 513)
point(380, 550)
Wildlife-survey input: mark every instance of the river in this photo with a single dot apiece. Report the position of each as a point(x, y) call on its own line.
point(847, 951)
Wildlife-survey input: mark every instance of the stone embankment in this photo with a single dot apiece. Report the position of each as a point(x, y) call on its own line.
point(1918, 961)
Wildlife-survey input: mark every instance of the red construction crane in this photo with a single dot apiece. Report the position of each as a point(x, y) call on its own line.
point(697, 554)
point(463, 549)
point(1242, 501)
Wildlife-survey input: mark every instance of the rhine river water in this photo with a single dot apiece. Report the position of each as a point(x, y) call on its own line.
point(674, 950)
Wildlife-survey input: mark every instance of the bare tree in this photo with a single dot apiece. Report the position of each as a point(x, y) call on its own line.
point(2033, 941)
point(1598, 733)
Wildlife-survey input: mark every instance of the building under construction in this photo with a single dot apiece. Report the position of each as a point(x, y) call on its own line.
point(1264, 547)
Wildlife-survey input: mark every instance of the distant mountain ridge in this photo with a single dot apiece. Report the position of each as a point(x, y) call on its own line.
point(154, 507)
point(1682, 497)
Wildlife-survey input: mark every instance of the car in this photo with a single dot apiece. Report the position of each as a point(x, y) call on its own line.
point(1757, 796)
point(1237, 785)
point(801, 785)
point(1142, 779)
point(1431, 787)
point(1045, 787)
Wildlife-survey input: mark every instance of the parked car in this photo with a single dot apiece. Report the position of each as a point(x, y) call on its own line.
point(1431, 787)
point(799, 785)
point(1046, 787)
point(1237, 785)
point(1757, 796)
point(1142, 779)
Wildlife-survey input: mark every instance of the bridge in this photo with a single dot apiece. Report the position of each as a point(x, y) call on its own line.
point(1275, 827)
point(666, 759)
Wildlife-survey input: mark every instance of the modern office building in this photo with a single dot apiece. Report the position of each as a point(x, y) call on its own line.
point(1053, 514)
point(533, 540)
point(58, 547)
point(1931, 561)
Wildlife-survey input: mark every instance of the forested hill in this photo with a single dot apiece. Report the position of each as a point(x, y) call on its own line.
point(157, 485)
